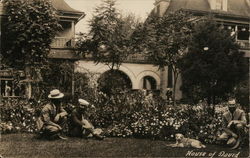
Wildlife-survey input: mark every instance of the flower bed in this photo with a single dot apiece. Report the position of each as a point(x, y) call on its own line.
point(18, 115)
point(128, 114)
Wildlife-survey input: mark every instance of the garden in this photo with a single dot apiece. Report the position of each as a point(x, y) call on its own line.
point(125, 115)
point(133, 126)
point(134, 123)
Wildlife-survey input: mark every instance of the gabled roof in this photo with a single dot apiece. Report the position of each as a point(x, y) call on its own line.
point(61, 5)
point(66, 12)
point(235, 7)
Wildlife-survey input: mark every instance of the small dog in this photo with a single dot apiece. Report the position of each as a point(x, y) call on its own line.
point(181, 142)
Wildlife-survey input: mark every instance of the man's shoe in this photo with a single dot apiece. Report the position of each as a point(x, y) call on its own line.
point(99, 137)
point(62, 137)
point(237, 144)
point(89, 136)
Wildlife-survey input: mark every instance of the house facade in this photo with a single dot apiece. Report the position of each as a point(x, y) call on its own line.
point(232, 14)
point(141, 73)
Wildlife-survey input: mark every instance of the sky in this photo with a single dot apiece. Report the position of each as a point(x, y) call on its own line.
point(140, 8)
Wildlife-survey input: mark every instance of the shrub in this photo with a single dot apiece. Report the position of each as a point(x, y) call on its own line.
point(18, 115)
point(128, 114)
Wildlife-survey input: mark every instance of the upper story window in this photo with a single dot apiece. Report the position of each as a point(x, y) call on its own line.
point(219, 4)
point(157, 10)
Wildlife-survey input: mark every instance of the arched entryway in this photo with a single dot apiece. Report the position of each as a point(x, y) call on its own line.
point(113, 81)
point(148, 83)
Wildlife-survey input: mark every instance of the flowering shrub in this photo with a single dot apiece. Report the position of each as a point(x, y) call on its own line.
point(128, 114)
point(18, 115)
point(131, 114)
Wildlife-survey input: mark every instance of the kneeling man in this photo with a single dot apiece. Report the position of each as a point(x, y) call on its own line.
point(234, 121)
point(53, 119)
point(80, 126)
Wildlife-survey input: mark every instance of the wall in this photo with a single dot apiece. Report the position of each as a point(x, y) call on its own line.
point(135, 72)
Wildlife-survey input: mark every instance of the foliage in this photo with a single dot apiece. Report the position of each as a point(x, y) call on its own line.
point(28, 31)
point(211, 53)
point(242, 94)
point(86, 86)
point(128, 114)
point(124, 114)
point(108, 40)
point(113, 81)
point(166, 40)
point(58, 74)
point(18, 115)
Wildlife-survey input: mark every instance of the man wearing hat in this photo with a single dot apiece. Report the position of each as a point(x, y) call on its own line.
point(79, 124)
point(234, 121)
point(53, 117)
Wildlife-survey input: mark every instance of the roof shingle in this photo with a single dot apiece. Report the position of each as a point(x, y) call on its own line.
point(61, 5)
point(235, 7)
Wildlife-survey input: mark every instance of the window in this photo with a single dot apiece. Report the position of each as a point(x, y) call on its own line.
point(158, 9)
point(11, 89)
point(218, 5)
point(10, 85)
point(149, 83)
point(243, 33)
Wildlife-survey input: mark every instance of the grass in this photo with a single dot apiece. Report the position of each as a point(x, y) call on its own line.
point(27, 146)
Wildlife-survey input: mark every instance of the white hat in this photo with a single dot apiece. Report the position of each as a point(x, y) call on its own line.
point(83, 102)
point(55, 94)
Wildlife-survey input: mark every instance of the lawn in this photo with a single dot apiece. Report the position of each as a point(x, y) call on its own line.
point(27, 146)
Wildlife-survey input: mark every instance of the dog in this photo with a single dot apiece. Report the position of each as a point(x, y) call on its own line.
point(182, 142)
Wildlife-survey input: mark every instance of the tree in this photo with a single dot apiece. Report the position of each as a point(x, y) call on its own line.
point(28, 31)
point(166, 40)
point(108, 40)
point(213, 65)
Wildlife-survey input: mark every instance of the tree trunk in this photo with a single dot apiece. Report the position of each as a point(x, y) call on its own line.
point(28, 83)
point(174, 86)
point(73, 85)
point(209, 100)
point(163, 83)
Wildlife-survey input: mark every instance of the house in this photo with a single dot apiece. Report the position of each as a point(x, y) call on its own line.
point(61, 48)
point(139, 72)
point(232, 14)
point(142, 74)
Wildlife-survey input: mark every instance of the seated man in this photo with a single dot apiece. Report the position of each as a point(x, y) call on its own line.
point(234, 121)
point(79, 125)
point(53, 117)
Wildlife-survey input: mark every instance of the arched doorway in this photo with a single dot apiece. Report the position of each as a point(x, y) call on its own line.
point(148, 83)
point(114, 81)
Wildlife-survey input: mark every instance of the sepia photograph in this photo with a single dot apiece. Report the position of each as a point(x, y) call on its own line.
point(124, 78)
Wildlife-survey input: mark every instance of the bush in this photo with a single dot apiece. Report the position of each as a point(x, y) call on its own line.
point(127, 114)
point(242, 94)
point(18, 115)
point(130, 114)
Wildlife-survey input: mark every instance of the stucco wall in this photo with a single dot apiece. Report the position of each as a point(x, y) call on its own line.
point(135, 72)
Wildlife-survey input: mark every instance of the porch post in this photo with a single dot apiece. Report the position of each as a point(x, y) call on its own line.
point(72, 33)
